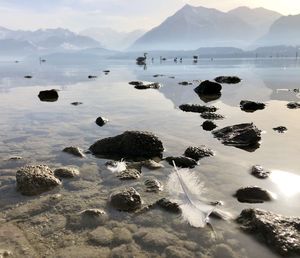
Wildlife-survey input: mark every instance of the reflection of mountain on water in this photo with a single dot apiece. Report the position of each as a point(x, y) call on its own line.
point(261, 80)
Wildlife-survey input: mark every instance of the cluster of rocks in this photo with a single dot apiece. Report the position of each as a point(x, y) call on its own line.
point(36, 179)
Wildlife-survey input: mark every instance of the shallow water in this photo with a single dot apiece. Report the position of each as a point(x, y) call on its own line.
point(38, 131)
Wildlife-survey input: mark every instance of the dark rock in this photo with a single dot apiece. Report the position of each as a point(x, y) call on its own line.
point(74, 151)
point(106, 71)
point(253, 194)
point(280, 129)
point(76, 103)
point(33, 180)
point(154, 85)
point(251, 106)
point(92, 76)
point(184, 83)
point(129, 174)
point(169, 206)
point(126, 200)
point(158, 75)
point(66, 172)
point(208, 88)
point(197, 153)
point(182, 162)
point(130, 144)
point(197, 108)
point(48, 95)
point(259, 172)
point(228, 79)
point(280, 233)
point(101, 121)
point(153, 185)
point(211, 116)
point(27, 76)
point(245, 136)
point(209, 98)
point(136, 83)
point(209, 125)
point(293, 105)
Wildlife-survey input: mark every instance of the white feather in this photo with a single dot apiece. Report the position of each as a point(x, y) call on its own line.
point(186, 190)
point(118, 167)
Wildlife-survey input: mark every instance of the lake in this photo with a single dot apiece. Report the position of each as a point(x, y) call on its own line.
point(47, 225)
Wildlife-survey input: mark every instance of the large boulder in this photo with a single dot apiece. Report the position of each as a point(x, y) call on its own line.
point(126, 200)
point(208, 88)
point(280, 233)
point(245, 136)
point(33, 180)
point(130, 144)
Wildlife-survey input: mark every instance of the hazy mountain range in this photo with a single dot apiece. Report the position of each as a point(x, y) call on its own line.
point(190, 28)
point(113, 39)
point(193, 27)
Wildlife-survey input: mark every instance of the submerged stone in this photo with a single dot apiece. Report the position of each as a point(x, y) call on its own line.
point(74, 151)
point(259, 172)
point(280, 233)
point(33, 180)
point(153, 185)
point(129, 174)
point(151, 164)
point(66, 172)
point(126, 200)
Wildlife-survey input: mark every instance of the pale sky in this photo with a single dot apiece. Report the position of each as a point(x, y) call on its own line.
point(123, 15)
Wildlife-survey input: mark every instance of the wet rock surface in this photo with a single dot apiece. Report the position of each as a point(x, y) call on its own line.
point(66, 172)
point(153, 185)
point(152, 165)
point(251, 106)
point(182, 162)
point(280, 129)
point(208, 88)
point(212, 116)
point(126, 200)
point(101, 121)
point(130, 144)
point(228, 79)
point(129, 174)
point(245, 136)
point(280, 233)
point(259, 172)
point(75, 151)
point(185, 83)
point(208, 125)
point(169, 206)
point(33, 180)
point(197, 108)
point(293, 105)
point(197, 153)
point(48, 95)
point(253, 194)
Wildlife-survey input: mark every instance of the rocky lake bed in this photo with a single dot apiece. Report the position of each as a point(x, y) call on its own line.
point(86, 159)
